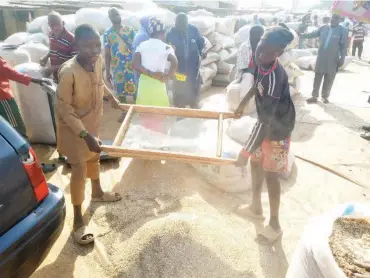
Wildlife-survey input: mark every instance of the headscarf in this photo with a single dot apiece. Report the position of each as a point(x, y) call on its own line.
point(155, 26)
point(142, 35)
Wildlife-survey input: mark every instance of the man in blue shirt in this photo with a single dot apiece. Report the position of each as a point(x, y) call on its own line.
point(188, 44)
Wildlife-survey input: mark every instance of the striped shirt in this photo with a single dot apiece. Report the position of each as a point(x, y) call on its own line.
point(359, 33)
point(275, 108)
point(62, 49)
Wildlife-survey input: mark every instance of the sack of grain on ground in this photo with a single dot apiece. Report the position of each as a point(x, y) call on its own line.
point(226, 26)
point(313, 51)
point(200, 12)
point(235, 92)
point(39, 25)
point(305, 63)
point(206, 86)
point(226, 41)
point(205, 24)
point(347, 61)
point(17, 38)
point(221, 80)
point(208, 72)
point(212, 57)
point(293, 71)
point(36, 50)
point(223, 68)
point(15, 57)
point(35, 107)
point(96, 17)
point(233, 57)
point(315, 257)
point(38, 38)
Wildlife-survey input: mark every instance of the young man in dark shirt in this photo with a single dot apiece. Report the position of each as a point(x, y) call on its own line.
point(269, 143)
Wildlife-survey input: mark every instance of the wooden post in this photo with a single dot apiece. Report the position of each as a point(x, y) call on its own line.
point(220, 133)
point(181, 112)
point(158, 155)
point(123, 128)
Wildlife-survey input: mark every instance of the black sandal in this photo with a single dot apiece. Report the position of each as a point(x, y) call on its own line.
point(48, 168)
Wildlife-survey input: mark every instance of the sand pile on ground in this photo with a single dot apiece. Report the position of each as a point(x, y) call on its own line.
point(179, 228)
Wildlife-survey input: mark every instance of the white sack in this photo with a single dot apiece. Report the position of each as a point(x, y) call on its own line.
point(205, 24)
point(16, 38)
point(200, 12)
point(224, 68)
point(137, 5)
point(35, 107)
point(297, 85)
point(215, 40)
point(224, 54)
point(226, 41)
point(313, 256)
point(293, 71)
point(313, 63)
point(211, 58)
point(38, 38)
point(232, 58)
point(293, 25)
point(287, 57)
point(347, 61)
point(226, 25)
point(221, 80)
point(36, 50)
point(292, 55)
point(207, 44)
point(15, 56)
point(39, 25)
point(305, 62)
point(70, 22)
point(96, 17)
point(131, 19)
point(206, 86)
point(207, 73)
point(240, 129)
point(235, 92)
point(314, 51)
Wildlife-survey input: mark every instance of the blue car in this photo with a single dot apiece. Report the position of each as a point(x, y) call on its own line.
point(32, 212)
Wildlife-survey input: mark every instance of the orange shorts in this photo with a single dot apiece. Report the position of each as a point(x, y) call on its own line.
point(273, 155)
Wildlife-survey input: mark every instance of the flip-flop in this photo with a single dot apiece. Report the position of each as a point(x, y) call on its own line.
point(268, 236)
point(81, 233)
point(48, 168)
point(108, 197)
point(245, 211)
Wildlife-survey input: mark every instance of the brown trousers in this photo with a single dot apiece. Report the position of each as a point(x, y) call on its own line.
point(80, 171)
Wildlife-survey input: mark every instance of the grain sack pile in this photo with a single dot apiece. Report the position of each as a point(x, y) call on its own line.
point(331, 251)
point(224, 35)
point(206, 24)
point(35, 107)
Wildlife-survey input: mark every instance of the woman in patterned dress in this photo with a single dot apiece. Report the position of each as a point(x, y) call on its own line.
point(118, 42)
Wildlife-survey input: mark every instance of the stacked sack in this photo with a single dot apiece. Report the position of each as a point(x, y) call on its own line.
point(224, 37)
point(206, 24)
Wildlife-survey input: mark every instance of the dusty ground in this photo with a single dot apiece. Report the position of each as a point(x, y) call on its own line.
point(173, 224)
